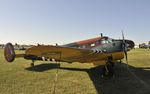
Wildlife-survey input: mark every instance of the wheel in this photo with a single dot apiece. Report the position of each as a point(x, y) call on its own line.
point(109, 68)
point(108, 71)
point(32, 64)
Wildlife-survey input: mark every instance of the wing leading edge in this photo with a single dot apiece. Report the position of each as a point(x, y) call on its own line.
point(69, 54)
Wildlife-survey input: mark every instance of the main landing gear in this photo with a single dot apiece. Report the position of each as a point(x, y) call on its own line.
point(32, 64)
point(108, 70)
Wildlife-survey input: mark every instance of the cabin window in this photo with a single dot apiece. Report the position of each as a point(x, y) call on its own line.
point(83, 46)
point(93, 44)
point(110, 40)
point(106, 41)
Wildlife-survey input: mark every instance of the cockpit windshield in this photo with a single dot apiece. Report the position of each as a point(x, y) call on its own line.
point(104, 41)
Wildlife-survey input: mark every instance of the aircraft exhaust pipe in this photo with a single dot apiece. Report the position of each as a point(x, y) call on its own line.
point(9, 52)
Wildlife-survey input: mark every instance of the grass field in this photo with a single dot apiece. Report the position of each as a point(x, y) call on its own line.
point(19, 78)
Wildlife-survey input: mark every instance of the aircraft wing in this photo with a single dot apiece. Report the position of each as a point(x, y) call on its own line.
point(60, 53)
point(64, 53)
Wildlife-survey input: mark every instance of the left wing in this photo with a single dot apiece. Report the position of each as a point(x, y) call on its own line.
point(62, 53)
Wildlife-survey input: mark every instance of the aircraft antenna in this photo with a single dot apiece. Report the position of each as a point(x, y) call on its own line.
point(101, 34)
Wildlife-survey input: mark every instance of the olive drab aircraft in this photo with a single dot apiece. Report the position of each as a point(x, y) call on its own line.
point(99, 51)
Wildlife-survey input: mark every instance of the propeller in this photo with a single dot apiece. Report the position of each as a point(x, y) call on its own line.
point(124, 48)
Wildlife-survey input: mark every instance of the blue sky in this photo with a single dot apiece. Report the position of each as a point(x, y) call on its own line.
point(63, 21)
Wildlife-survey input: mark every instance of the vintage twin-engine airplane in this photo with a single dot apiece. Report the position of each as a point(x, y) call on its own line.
point(99, 51)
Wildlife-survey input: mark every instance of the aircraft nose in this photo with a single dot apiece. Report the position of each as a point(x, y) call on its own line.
point(129, 44)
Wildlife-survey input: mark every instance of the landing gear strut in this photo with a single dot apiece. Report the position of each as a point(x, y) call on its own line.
point(108, 69)
point(32, 64)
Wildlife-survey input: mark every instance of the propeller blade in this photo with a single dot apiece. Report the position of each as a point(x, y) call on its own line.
point(126, 55)
point(123, 37)
point(124, 48)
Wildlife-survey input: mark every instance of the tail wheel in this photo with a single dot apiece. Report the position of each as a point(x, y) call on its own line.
point(9, 52)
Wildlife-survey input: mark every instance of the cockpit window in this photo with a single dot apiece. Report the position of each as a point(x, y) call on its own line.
point(110, 40)
point(106, 41)
point(93, 44)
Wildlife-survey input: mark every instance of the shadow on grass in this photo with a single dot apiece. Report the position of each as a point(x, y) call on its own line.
point(43, 67)
point(124, 81)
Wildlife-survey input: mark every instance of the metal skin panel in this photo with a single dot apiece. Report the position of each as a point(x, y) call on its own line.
point(115, 46)
point(72, 54)
point(116, 56)
point(56, 52)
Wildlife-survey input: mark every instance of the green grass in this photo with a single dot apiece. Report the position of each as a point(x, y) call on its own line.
point(76, 78)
